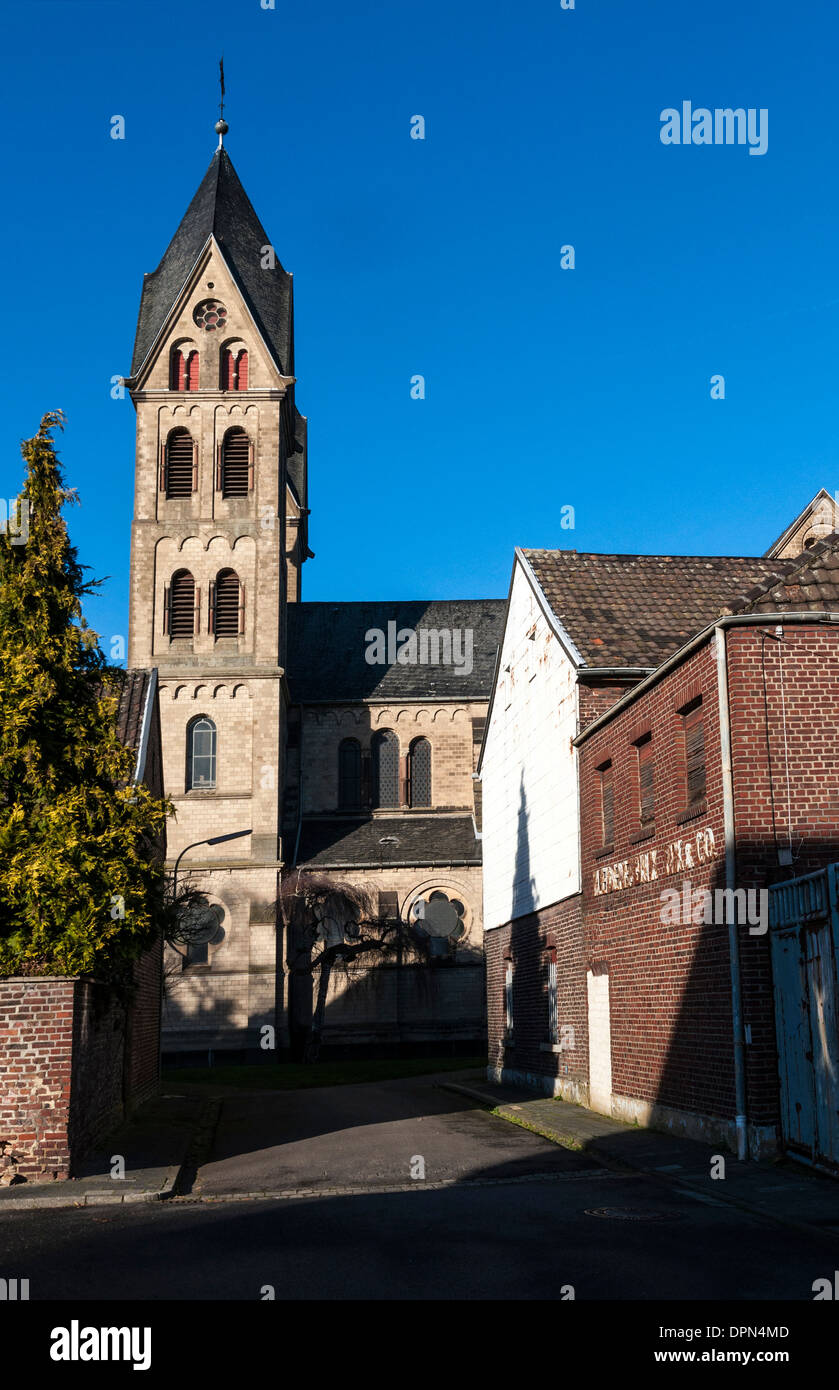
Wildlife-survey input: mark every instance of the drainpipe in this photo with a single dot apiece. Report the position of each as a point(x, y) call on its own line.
point(730, 875)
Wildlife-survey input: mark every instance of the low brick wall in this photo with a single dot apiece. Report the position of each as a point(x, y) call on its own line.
point(36, 1062)
point(73, 1061)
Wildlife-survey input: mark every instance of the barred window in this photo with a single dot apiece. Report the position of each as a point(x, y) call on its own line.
point(349, 774)
point(553, 1000)
point(201, 741)
point(386, 769)
point(419, 773)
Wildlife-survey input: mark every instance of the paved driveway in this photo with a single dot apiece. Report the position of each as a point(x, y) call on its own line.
point(367, 1137)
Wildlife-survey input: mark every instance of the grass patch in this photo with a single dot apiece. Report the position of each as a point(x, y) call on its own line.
point(293, 1076)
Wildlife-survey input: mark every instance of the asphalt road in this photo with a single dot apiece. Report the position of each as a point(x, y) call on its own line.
point(516, 1222)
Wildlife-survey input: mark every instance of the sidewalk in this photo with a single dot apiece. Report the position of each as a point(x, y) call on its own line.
point(783, 1191)
point(155, 1145)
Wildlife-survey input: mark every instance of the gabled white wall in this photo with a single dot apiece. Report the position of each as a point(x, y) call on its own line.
point(529, 774)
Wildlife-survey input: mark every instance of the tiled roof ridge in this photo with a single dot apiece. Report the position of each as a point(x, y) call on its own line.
point(788, 569)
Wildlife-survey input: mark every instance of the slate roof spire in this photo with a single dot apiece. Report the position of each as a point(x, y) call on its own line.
point(221, 208)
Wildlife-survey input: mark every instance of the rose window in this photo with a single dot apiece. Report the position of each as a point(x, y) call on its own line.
point(210, 315)
point(439, 918)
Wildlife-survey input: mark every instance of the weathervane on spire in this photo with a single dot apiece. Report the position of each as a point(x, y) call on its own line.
point(221, 124)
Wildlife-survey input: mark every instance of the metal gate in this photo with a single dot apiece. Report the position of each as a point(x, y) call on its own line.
point(804, 934)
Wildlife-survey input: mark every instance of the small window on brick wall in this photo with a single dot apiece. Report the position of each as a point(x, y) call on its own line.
point(553, 999)
point(607, 804)
point(508, 996)
point(694, 735)
point(646, 780)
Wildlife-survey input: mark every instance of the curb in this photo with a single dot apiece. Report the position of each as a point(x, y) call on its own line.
point(616, 1165)
point(105, 1198)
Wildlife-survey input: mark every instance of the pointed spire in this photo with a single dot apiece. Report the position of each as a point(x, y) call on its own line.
point(221, 124)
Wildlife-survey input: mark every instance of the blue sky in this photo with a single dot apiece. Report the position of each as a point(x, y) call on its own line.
point(545, 388)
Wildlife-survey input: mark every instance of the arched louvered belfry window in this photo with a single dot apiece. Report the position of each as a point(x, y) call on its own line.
point(180, 605)
point(234, 475)
point(201, 747)
point(234, 368)
point(227, 605)
point(184, 368)
point(385, 769)
point(179, 465)
point(419, 773)
point(349, 774)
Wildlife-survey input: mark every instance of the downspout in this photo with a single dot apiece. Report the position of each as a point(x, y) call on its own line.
point(299, 791)
point(730, 875)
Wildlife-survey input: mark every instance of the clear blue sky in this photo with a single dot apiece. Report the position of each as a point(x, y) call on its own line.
point(545, 387)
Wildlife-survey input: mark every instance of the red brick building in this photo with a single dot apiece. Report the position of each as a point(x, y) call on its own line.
point(717, 770)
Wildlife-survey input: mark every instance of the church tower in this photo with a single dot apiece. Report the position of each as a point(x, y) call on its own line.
point(218, 541)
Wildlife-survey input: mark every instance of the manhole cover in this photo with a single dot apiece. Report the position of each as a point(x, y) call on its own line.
point(631, 1214)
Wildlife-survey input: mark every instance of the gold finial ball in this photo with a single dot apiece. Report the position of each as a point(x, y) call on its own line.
point(222, 127)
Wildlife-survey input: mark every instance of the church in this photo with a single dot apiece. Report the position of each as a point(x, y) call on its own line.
point(289, 741)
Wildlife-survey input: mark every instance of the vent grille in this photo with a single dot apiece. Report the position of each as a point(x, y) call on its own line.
point(227, 604)
point(179, 465)
point(235, 464)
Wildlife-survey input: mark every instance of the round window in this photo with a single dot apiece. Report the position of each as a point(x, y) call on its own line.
point(210, 315)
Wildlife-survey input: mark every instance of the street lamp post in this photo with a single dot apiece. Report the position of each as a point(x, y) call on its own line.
point(214, 840)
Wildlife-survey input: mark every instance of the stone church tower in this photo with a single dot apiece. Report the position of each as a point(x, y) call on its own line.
point(218, 541)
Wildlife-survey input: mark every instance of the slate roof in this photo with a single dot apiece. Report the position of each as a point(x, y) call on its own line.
point(636, 610)
point(326, 650)
point(134, 688)
point(221, 208)
point(421, 841)
point(808, 582)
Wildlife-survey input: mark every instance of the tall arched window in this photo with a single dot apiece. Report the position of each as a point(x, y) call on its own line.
point(349, 774)
point(234, 475)
point(234, 368)
point(385, 769)
point(180, 605)
point(201, 740)
point(227, 605)
point(183, 375)
point(179, 465)
point(419, 773)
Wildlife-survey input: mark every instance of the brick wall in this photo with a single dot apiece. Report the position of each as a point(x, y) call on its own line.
point(669, 992)
point(67, 1073)
point(561, 1068)
point(36, 1061)
point(142, 1074)
point(776, 726)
